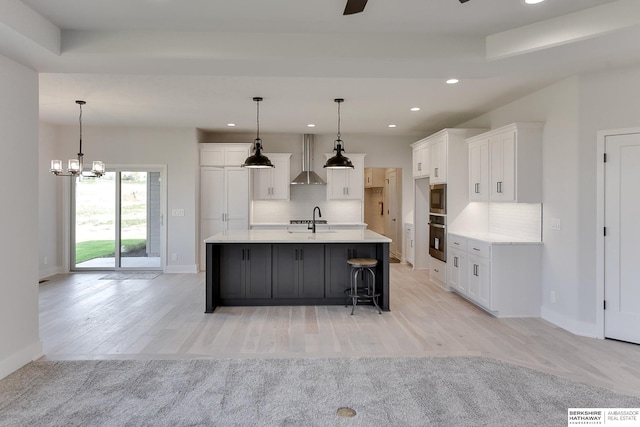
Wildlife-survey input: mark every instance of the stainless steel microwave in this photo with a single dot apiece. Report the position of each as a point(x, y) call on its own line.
point(438, 198)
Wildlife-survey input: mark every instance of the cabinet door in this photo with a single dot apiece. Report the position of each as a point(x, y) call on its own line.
point(285, 271)
point(457, 271)
point(479, 171)
point(280, 177)
point(212, 202)
point(347, 184)
point(237, 198)
point(232, 271)
point(258, 271)
point(417, 166)
point(479, 283)
point(503, 167)
point(355, 179)
point(438, 161)
point(261, 179)
point(337, 270)
point(311, 271)
point(368, 177)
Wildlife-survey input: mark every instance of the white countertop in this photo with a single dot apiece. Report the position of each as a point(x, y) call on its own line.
point(497, 239)
point(283, 236)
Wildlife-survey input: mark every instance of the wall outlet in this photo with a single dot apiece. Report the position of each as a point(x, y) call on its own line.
point(552, 296)
point(177, 212)
point(45, 260)
point(174, 257)
point(556, 224)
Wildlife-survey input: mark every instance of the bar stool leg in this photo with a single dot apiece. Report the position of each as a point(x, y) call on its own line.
point(374, 297)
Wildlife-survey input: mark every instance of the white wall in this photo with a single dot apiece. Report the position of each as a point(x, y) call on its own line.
point(608, 100)
point(51, 226)
point(176, 148)
point(19, 337)
point(573, 110)
point(557, 107)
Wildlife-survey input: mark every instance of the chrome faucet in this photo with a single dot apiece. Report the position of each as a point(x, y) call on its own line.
point(312, 226)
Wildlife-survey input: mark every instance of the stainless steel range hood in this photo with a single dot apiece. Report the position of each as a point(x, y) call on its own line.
point(307, 176)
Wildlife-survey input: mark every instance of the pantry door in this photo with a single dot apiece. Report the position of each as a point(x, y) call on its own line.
point(622, 237)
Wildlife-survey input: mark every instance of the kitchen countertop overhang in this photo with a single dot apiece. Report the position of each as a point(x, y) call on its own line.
point(496, 239)
point(283, 236)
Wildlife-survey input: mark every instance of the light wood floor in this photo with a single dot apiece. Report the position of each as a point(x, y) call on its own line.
point(83, 317)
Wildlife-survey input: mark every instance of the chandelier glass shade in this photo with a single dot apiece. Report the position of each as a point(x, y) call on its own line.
point(75, 167)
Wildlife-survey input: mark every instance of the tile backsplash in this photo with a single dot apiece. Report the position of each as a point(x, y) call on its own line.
point(303, 199)
point(521, 220)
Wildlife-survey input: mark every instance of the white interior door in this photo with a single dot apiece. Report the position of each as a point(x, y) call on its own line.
point(622, 241)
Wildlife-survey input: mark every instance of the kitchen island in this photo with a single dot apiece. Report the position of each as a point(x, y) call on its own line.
point(280, 267)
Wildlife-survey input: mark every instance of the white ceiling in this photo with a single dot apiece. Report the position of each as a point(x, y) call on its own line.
point(199, 63)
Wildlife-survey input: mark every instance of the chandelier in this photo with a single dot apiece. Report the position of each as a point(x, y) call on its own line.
point(75, 166)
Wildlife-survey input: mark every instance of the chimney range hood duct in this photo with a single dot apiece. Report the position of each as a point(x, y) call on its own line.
point(307, 176)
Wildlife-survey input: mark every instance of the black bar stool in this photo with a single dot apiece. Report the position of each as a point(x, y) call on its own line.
point(367, 292)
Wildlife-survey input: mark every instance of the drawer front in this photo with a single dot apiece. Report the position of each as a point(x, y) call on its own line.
point(457, 242)
point(438, 271)
point(478, 248)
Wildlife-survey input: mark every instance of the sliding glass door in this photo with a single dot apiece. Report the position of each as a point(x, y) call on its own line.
point(117, 221)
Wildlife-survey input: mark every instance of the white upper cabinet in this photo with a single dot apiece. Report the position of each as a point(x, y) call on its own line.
point(420, 159)
point(374, 177)
point(479, 170)
point(510, 159)
point(346, 184)
point(273, 183)
point(224, 154)
point(438, 160)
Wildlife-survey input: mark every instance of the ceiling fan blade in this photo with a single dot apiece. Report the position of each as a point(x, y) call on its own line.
point(354, 6)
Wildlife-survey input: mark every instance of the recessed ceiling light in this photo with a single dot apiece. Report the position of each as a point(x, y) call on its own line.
point(452, 81)
point(311, 125)
point(415, 108)
point(533, 1)
point(392, 126)
point(231, 124)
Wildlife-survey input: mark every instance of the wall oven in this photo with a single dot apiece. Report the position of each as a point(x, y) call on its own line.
point(438, 237)
point(438, 198)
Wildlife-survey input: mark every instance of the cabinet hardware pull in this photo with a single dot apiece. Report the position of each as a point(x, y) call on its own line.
point(456, 243)
point(436, 172)
point(476, 249)
point(420, 166)
point(301, 254)
point(248, 252)
point(475, 269)
point(436, 270)
point(243, 255)
point(477, 187)
point(455, 261)
point(296, 255)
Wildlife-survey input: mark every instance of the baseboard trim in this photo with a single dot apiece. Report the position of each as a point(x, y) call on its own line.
point(50, 271)
point(191, 268)
point(17, 360)
point(582, 329)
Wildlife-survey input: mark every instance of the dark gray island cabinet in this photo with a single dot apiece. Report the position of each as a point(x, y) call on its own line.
point(275, 267)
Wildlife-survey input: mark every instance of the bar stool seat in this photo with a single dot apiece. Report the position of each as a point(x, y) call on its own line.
point(368, 291)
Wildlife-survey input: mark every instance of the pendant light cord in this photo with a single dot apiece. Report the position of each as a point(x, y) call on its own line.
point(338, 120)
point(80, 120)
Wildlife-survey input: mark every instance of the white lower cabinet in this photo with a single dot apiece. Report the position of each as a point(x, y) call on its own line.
point(409, 245)
point(503, 278)
point(438, 272)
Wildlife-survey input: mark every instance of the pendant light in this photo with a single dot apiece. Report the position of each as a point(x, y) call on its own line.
point(257, 160)
point(338, 161)
point(75, 166)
